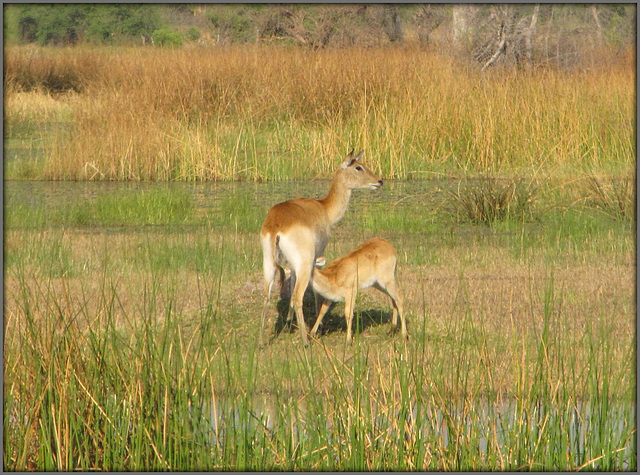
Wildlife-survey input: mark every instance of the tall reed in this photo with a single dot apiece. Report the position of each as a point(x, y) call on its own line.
point(94, 382)
point(255, 113)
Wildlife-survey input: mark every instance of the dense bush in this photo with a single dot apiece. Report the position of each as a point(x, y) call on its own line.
point(193, 34)
point(65, 24)
point(167, 37)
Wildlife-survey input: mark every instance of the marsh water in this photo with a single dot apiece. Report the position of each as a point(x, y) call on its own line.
point(207, 194)
point(486, 426)
point(414, 199)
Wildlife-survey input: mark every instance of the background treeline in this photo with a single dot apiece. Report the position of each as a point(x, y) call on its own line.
point(566, 35)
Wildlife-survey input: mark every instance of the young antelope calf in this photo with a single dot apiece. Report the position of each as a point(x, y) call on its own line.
point(372, 264)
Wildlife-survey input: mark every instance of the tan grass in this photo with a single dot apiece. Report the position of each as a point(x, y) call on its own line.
point(38, 106)
point(269, 112)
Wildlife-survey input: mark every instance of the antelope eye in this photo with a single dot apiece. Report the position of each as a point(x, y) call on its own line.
point(359, 168)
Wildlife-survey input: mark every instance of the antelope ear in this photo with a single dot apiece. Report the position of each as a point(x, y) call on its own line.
point(347, 162)
point(350, 159)
point(359, 156)
point(320, 261)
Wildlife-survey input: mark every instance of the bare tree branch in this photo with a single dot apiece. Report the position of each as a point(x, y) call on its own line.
point(499, 50)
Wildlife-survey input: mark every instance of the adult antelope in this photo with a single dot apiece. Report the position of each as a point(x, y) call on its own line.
point(295, 233)
point(372, 264)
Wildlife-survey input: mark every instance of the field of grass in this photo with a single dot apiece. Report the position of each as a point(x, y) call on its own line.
point(132, 315)
point(270, 113)
point(132, 302)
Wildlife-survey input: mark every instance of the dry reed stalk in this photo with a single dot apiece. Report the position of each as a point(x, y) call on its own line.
point(253, 112)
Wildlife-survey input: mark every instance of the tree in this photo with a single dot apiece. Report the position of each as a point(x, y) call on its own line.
point(391, 24)
point(462, 18)
point(427, 19)
point(488, 35)
point(52, 24)
point(64, 24)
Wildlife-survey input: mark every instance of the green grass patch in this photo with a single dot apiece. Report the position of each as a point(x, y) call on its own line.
point(236, 211)
point(161, 206)
point(156, 206)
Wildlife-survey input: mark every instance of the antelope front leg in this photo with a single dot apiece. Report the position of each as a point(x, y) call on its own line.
point(302, 281)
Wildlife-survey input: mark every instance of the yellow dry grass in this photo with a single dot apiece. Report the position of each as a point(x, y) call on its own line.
point(279, 113)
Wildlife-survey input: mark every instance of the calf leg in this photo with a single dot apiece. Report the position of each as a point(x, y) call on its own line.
point(396, 300)
point(349, 304)
point(326, 304)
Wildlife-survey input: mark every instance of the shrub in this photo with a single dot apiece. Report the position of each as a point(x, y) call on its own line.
point(193, 33)
point(616, 198)
point(486, 200)
point(167, 37)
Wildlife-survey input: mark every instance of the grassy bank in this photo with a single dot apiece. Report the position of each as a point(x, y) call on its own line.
point(131, 327)
point(254, 113)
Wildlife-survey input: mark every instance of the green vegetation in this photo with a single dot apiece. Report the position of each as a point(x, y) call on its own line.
point(154, 206)
point(167, 37)
point(64, 24)
point(571, 35)
point(131, 327)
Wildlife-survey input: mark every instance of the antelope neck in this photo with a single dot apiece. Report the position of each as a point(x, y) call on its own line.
point(336, 201)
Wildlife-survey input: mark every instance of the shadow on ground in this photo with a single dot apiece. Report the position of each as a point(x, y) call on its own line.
point(333, 321)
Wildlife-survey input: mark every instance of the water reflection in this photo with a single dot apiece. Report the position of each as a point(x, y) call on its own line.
point(505, 427)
